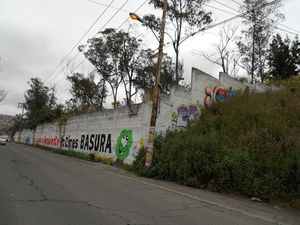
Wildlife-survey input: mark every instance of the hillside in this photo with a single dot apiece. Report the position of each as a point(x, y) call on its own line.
point(5, 122)
point(249, 145)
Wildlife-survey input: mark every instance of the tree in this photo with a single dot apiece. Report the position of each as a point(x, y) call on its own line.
point(86, 93)
point(40, 104)
point(180, 13)
point(17, 124)
point(3, 94)
point(260, 18)
point(283, 59)
point(129, 61)
point(115, 56)
point(295, 49)
point(147, 67)
point(225, 55)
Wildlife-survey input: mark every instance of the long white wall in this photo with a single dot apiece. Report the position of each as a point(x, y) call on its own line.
point(115, 134)
point(120, 133)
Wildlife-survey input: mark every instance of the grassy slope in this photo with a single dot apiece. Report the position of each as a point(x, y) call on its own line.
point(248, 145)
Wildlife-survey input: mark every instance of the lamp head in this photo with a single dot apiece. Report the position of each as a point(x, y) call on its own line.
point(134, 16)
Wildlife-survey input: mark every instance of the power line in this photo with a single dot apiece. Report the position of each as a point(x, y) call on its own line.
point(286, 31)
point(78, 42)
point(280, 24)
point(289, 28)
point(112, 7)
point(232, 18)
point(93, 36)
point(213, 7)
point(134, 12)
point(229, 7)
point(70, 72)
point(236, 2)
point(119, 9)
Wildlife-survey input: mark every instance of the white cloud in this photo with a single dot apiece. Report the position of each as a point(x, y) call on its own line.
point(36, 35)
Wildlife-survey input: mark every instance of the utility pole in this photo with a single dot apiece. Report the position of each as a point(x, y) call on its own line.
point(21, 105)
point(155, 90)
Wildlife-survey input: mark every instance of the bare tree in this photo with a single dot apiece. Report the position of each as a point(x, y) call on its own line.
point(225, 54)
point(3, 94)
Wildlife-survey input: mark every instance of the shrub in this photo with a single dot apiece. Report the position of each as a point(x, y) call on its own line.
point(248, 145)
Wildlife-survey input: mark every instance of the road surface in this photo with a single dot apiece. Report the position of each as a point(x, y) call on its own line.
point(38, 187)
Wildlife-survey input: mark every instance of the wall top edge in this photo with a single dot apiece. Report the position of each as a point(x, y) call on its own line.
point(196, 73)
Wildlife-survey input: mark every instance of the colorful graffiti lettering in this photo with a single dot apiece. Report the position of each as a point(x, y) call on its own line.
point(124, 144)
point(184, 116)
point(217, 94)
point(53, 141)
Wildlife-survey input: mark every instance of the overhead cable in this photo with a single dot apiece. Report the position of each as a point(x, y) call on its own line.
point(119, 9)
point(78, 42)
point(84, 46)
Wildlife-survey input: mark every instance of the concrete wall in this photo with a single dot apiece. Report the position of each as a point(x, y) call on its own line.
point(26, 136)
point(119, 133)
point(116, 133)
point(183, 106)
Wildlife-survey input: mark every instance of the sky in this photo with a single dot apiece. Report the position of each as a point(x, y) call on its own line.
point(37, 35)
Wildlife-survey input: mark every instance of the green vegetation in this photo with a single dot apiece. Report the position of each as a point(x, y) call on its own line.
point(248, 145)
point(75, 154)
point(87, 156)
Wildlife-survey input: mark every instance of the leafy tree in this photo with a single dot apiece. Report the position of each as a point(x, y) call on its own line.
point(295, 49)
point(180, 13)
point(129, 62)
point(283, 58)
point(40, 104)
point(86, 93)
point(147, 68)
point(115, 56)
point(260, 18)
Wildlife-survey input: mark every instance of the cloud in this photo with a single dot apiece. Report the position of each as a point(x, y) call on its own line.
point(24, 54)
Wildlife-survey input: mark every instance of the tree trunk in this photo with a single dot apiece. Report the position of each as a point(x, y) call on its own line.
point(177, 65)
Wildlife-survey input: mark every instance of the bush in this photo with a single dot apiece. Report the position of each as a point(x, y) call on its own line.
point(248, 145)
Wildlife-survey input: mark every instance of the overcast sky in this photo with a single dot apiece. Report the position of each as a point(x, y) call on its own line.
point(35, 35)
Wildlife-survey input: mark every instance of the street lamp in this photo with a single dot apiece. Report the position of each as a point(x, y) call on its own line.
point(155, 90)
point(134, 16)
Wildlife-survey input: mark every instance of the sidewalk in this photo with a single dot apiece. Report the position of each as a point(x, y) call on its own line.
point(264, 211)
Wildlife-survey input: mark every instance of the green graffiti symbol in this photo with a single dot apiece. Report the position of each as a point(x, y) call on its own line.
point(124, 144)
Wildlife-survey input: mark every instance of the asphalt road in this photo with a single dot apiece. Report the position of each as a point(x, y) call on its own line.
point(38, 187)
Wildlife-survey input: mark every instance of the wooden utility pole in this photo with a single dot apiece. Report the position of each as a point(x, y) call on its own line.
point(155, 90)
point(21, 105)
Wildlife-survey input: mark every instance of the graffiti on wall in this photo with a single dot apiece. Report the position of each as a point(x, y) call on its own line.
point(124, 144)
point(28, 140)
point(68, 142)
point(96, 142)
point(141, 143)
point(217, 94)
point(52, 141)
point(184, 115)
